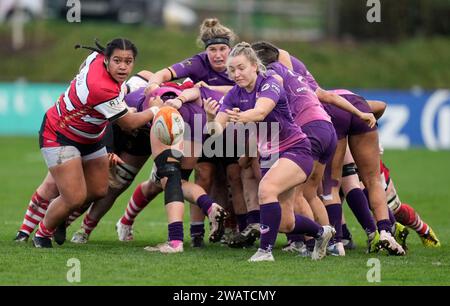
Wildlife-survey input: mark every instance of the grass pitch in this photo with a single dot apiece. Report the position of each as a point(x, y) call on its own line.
point(421, 177)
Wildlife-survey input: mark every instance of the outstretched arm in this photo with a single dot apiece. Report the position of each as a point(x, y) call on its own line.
point(262, 108)
point(332, 98)
point(159, 77)
point(378, 107)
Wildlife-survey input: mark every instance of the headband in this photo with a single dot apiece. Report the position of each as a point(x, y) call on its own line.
point(216, 41)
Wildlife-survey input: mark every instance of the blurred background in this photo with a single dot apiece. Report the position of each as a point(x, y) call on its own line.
point(404, 59)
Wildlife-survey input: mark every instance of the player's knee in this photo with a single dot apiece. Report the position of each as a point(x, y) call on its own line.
point(75, 199)
point(99, 193)
point(266, 192)
point(171, 170)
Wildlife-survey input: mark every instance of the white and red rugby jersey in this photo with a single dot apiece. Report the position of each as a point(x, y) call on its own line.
point(83, 111)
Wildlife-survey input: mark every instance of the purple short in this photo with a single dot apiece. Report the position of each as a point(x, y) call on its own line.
point(323, 140)
point(346, 123)
point(299, 153)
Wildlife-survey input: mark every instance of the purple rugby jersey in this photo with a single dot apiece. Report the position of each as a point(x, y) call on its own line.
point(303, 102)
point(300, 68)
point(136, 99)
point(267, 87)
point(198, 68)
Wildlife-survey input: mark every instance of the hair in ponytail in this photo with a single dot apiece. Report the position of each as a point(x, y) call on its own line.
point(117, 43)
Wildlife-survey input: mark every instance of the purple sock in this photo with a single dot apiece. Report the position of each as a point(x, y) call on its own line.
point(253, 216)
point(335, 215)
point(384, 225)
point(242, 221)
point(197, 229)
point(270, 224)
point(204, 202)
point(359, 204)
point(176, 231)
point(310, 244)
point(295, 237)
point(345, 232)
point(304, 225)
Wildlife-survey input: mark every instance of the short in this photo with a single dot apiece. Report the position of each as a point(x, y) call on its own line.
point(322, 137)
point(299, 153)
point(55, 156)
point(57, 148)
point(135, 143)
point(346, 123)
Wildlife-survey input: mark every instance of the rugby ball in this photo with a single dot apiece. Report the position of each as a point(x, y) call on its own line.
point(168, 125)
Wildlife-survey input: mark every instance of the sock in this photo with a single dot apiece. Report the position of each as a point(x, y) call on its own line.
point(205, 203)
point(89, 224)
point(35, 212)
point(176, 231)
point(384, 225)
point(197, 229)
point(241, 221)
point(73, 216)
point(44, 232)
point(359, 204)
point(295, 237)
point(136, 204)
point(310, 244)
point(304, 225)
point(270, 224)
point(335, 215)
point(345, 232)
point(406, 215)
point(253, 216)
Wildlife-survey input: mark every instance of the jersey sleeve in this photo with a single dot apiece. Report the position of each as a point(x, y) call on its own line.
point(112, 109)
point(270, 89)
point(188, 68)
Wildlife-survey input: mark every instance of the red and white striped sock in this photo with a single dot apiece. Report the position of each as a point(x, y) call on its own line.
point(73, 216)
point(35, 212)
point(44, 232)
point(406, 215)
point(136, 204)
point(76, 214)
point(89, 224)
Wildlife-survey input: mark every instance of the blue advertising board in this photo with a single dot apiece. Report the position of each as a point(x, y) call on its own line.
point(413, 118)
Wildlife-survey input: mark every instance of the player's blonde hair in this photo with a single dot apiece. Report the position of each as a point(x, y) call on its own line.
point(211, 29)
point(245, 49)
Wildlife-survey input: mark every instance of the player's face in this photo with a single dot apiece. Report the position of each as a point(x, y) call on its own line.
point(242, 71)
point(217, 56)
point(120, 64)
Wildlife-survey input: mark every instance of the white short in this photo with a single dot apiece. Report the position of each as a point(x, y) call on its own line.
point(58, 155)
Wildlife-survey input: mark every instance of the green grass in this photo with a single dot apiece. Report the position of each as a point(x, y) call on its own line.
point(421, 177)
point(49, 55)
